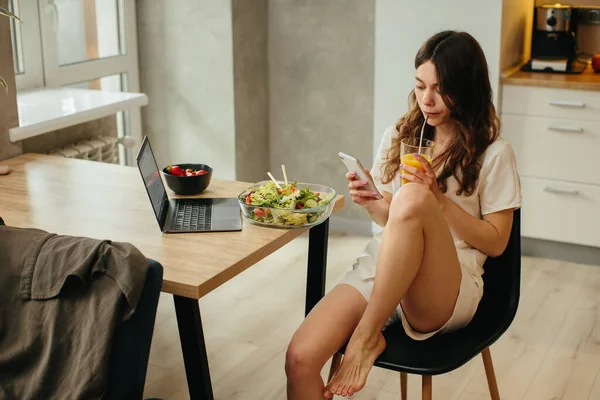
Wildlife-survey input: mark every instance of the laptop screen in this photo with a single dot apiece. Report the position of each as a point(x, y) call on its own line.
point(152, 181)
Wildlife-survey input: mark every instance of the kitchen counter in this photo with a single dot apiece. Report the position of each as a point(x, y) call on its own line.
point(587, 80)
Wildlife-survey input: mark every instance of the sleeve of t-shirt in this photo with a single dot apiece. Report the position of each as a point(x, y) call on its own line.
point(380, 157)
point(500, 186)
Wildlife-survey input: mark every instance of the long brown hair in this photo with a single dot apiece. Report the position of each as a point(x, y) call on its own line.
point(465, 88)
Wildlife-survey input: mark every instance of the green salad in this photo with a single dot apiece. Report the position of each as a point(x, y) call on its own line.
point(278, 206)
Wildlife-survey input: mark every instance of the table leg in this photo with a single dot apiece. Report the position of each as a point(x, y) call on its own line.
point(193, 348)
point(317, 264)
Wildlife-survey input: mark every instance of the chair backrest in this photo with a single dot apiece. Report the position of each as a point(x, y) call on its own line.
point(502, 282)
point(130, 351)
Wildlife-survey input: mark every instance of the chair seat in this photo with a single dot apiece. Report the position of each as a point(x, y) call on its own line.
point(441, 353)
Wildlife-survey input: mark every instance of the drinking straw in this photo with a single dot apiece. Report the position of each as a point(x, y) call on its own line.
point(422, 130)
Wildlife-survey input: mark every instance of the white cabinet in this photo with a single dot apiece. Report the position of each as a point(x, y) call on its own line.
point(561, 211)
point(556, 137)
point(551, 102)
point(554, 148)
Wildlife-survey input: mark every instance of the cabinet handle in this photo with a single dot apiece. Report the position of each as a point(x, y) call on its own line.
point(571, 192)
point(573, 104)
point(573, 129)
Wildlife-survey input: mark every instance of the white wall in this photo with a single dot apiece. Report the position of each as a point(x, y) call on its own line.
point(401, 28)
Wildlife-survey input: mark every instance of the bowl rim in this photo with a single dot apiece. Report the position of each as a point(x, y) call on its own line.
point(187, 163)
point(164, 170)
point(301, 210)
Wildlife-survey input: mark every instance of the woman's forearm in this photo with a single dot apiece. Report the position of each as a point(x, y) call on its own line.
point(479, 233)
point(378, 211)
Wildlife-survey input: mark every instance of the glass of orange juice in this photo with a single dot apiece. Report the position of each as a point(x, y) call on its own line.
point(410, 146)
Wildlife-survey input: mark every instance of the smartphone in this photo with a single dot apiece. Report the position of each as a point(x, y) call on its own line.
point(354, 165)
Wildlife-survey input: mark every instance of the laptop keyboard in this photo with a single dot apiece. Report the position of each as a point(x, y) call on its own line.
point(192, 215)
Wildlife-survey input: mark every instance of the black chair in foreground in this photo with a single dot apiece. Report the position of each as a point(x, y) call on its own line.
point(444, 353)
point(130, 351)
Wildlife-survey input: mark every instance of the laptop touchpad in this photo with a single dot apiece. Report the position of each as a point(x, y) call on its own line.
point(225, 209)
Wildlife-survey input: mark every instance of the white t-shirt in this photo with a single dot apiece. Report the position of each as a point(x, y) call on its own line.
point(498, 188)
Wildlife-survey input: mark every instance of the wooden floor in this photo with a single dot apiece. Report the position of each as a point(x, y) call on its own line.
point(551, 352)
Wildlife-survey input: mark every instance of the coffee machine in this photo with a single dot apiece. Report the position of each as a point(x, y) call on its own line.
point(554, 40)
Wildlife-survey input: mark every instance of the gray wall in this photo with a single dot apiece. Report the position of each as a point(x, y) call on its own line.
point(186, 69)
point(250, 85)
point(251, 88)
point(321, 90)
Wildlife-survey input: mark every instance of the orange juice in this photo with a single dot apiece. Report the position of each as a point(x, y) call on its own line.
point(410, 159)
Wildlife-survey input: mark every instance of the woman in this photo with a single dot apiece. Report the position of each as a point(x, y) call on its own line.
point(425, 268)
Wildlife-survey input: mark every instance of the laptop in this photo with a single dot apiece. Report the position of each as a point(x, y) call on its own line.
point(185, 215)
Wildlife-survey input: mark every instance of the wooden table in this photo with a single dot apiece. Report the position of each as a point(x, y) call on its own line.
point(104, 201)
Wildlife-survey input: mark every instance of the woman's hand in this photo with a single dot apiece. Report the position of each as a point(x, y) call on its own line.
point(359, 191)
point(426, 177)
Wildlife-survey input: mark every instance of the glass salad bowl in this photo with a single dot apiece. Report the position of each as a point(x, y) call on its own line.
point(297, 205)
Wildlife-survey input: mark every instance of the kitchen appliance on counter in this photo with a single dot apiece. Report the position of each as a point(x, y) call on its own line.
point(554, 40)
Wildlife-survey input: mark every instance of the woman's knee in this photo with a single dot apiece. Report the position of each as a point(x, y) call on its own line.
point(412, 201)
point(301, 360)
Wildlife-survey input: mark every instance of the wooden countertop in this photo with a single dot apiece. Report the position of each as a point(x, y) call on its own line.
point(587, 80)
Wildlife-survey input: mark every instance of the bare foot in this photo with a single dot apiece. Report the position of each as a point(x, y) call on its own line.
point(358, 360)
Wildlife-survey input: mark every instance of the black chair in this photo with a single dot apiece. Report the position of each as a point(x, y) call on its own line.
point(130, 351)
point(444, 353)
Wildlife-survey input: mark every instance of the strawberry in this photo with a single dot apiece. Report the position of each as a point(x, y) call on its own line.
point(177, 171)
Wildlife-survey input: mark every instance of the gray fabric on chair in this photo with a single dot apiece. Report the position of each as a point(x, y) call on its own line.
point(61, 299)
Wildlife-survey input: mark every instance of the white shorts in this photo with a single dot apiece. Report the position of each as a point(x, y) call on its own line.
point(467, 302)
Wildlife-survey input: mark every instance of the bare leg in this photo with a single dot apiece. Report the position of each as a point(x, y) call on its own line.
point(322, 333)
point(418, 267)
